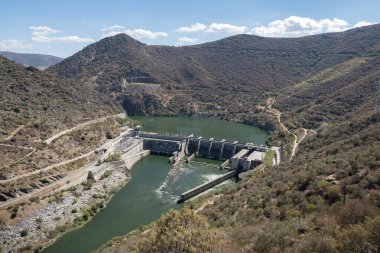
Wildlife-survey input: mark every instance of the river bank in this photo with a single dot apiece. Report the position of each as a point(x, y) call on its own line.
point(62, 212)
point(41, 221)
point(60, 220)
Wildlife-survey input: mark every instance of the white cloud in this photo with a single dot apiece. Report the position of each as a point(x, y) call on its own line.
point(187, 40)
point(135, 33)
point(362, 23)
point(294, 26)
point(142, 33)
point(226, 28)
point(193, 28)
point(335, 25)
point(112, 28)
point(213, 28)
point(12, 44)
point(43, 34)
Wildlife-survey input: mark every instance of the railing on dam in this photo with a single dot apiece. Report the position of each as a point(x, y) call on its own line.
point(160, 136)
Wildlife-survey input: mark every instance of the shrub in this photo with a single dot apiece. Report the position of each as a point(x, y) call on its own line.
point(193, 230)
point(88, 184)
point(115, 156)
point(316, 243)
point(332, 194)
point(24, 233)
point(106, 174)
point(13, 215)
point(34, 199)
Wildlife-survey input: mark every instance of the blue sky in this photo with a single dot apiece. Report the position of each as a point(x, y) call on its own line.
point(62, 28)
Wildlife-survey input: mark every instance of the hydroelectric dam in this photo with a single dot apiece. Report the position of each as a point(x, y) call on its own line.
point(237, 157)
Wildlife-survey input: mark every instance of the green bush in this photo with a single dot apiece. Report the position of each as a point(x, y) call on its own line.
point(88, 184)
point(24, 233)
point(34, 199)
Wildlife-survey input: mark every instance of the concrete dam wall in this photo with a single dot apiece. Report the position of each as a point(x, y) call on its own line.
point(213, 149)
point(162, 147)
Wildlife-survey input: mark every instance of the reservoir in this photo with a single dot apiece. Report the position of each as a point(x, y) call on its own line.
point(155, 186)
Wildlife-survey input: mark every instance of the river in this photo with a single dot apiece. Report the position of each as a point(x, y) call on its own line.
point(154, 187)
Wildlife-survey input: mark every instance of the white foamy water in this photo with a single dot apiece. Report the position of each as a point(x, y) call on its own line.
point(183, 178)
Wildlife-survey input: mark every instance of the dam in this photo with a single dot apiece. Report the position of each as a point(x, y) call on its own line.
point(156, 184)
point(237, 157)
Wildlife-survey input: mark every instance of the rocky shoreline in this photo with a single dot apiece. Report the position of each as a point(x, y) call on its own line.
point(62, 212)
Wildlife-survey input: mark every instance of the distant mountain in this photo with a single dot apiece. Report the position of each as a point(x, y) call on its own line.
point(40, 61)
point(223, 78)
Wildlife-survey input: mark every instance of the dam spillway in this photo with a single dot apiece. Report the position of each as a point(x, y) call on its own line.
point(237, 157)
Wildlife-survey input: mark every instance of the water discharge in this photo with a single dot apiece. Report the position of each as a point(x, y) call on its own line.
point(155, 185)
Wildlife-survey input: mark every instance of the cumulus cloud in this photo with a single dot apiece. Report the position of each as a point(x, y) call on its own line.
point(362, 23)
point(112, 28)
point(187, 40)
point(44, 34)
point(138, 33)
point(226, 28)
point(213, 28)
point(193, 28)
point(294, 26)
point(12, 44)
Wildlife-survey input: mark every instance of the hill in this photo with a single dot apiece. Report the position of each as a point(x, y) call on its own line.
point(40, 61)
point(210, 78)
point(36, 105)
point(39, 98)
point(324, 199)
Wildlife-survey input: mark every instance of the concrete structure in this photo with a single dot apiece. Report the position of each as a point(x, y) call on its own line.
point(241, 157)
point(253, 160)
point(237, 161)
point(162, 147)
point(206, 186)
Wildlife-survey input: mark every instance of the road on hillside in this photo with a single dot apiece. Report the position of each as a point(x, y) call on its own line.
point(269, 108)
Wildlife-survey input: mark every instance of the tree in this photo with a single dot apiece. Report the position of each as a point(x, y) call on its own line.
point(179, 231)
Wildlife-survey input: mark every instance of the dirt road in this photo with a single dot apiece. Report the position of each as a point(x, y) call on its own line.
point(269, 108)
point(87, 123)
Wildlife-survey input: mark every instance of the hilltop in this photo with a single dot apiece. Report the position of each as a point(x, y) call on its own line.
point(223, 78)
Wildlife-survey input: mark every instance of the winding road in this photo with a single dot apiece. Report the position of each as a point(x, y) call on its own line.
point(87, 123)
point(297, 141)
point(13, 133)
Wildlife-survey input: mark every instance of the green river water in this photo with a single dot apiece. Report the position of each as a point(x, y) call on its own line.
point(155, 186)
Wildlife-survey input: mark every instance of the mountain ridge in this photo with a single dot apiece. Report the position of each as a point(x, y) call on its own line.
point(192, 77)
point(40, 61)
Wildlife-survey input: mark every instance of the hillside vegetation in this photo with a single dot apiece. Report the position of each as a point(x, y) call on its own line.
point(225, 78)
point(327, 198)
point(33, 106)
point(43, 102)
